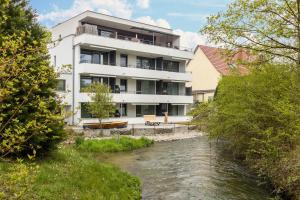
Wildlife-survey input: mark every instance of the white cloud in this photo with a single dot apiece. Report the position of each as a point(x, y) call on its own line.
point(190, 39)
point(210, 4)
point(158, 22)
point(190, 16)
point(144, 4)
point(119, 8)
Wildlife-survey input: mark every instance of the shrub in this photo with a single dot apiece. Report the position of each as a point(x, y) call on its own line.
point(30, 119)
point(259, 114)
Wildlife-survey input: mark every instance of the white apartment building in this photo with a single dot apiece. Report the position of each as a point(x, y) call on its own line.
point(143, 65)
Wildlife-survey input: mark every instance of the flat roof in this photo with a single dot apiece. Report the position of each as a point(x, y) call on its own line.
point(136, 24)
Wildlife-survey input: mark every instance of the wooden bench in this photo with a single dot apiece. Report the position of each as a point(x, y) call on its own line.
point(150, 120)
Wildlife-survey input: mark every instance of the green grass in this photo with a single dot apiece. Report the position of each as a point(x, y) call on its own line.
point(113, 145)
point(73, 172)
point(70, 174)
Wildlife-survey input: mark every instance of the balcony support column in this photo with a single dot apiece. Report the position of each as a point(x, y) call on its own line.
point(152, 38)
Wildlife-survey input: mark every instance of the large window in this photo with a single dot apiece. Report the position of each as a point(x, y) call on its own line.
point(61, 85)
point(84, 111)
point(97, 57)
point(123, 85)
point(173, 110)
point(142, 110)
point(123, 60)
point(85, 81)
point(167, 88)
point(145, 63)
point(171, 66)
point(145, 87)
point(106, 33)
point(89, 56)
point(172, 88)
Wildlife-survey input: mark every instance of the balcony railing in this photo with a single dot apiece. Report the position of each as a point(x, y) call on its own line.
point(91, 29)
point(134, 66)
point(116, 90)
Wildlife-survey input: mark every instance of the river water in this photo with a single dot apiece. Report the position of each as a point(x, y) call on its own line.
point(189, 169)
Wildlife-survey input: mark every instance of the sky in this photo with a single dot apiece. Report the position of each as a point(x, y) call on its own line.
point(185, 17)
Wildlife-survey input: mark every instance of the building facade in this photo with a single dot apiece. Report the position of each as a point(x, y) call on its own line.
point(144, 66)
point(208, 66)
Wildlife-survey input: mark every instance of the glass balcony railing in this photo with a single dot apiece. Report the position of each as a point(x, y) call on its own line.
point(136, 66)
point(92, 29)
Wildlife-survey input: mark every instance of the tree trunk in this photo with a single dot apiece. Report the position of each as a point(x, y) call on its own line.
point(100, 122)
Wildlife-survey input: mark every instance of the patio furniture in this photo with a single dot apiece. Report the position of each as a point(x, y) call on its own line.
point(150, 120)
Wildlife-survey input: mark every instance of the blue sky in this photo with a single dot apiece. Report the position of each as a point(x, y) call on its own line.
point(185, 17)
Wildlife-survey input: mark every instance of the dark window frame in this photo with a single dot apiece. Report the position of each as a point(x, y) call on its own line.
point(64, 85)
point(141, 63)
point(126, 85)
point(126, 60)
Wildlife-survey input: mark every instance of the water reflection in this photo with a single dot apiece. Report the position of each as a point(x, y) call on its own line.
point(189, 169)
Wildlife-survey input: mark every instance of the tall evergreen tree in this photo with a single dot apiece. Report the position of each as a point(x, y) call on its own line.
point(30, 122)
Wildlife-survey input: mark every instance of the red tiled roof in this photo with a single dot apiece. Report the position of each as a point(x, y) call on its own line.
point(220, 62)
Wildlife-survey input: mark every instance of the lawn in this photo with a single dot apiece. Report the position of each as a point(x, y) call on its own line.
point(72, 172)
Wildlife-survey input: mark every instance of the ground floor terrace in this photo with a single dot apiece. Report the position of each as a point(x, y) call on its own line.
point(134, 113)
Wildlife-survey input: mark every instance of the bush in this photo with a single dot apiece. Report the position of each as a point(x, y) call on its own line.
point(259, 114)
point(114, 145)
point(30, 119)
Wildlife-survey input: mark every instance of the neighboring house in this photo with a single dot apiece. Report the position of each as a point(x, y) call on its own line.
point(144, 66)
point(208, 65)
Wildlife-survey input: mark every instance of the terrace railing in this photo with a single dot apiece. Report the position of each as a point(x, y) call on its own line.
point(92, 29)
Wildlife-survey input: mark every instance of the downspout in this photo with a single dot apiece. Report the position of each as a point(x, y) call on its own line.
point(73, 82)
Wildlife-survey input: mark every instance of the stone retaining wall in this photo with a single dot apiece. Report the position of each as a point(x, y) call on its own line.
point(94, 133)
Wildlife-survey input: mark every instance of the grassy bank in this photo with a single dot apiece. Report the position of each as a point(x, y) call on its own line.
point(72, 172)
point(112, 145)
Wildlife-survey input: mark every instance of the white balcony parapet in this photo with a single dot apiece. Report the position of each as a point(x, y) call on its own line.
point(87, 68)
point(140, 120)
point(90, 39)
point(143, 98)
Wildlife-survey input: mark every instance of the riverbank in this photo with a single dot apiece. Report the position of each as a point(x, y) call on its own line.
point(172, 136)
point(155, 137)
point(73, 172)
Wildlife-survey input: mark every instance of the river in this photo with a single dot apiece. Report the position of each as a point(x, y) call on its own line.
point(191, 169)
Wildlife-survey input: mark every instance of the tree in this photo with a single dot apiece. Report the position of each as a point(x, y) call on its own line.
point(270, 28)
point(101, 105)
point(30, 119)
point(258, 114)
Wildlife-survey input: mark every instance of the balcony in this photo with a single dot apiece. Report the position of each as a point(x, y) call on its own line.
point(89, 35)
point(133, 72)
point(132, 97)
